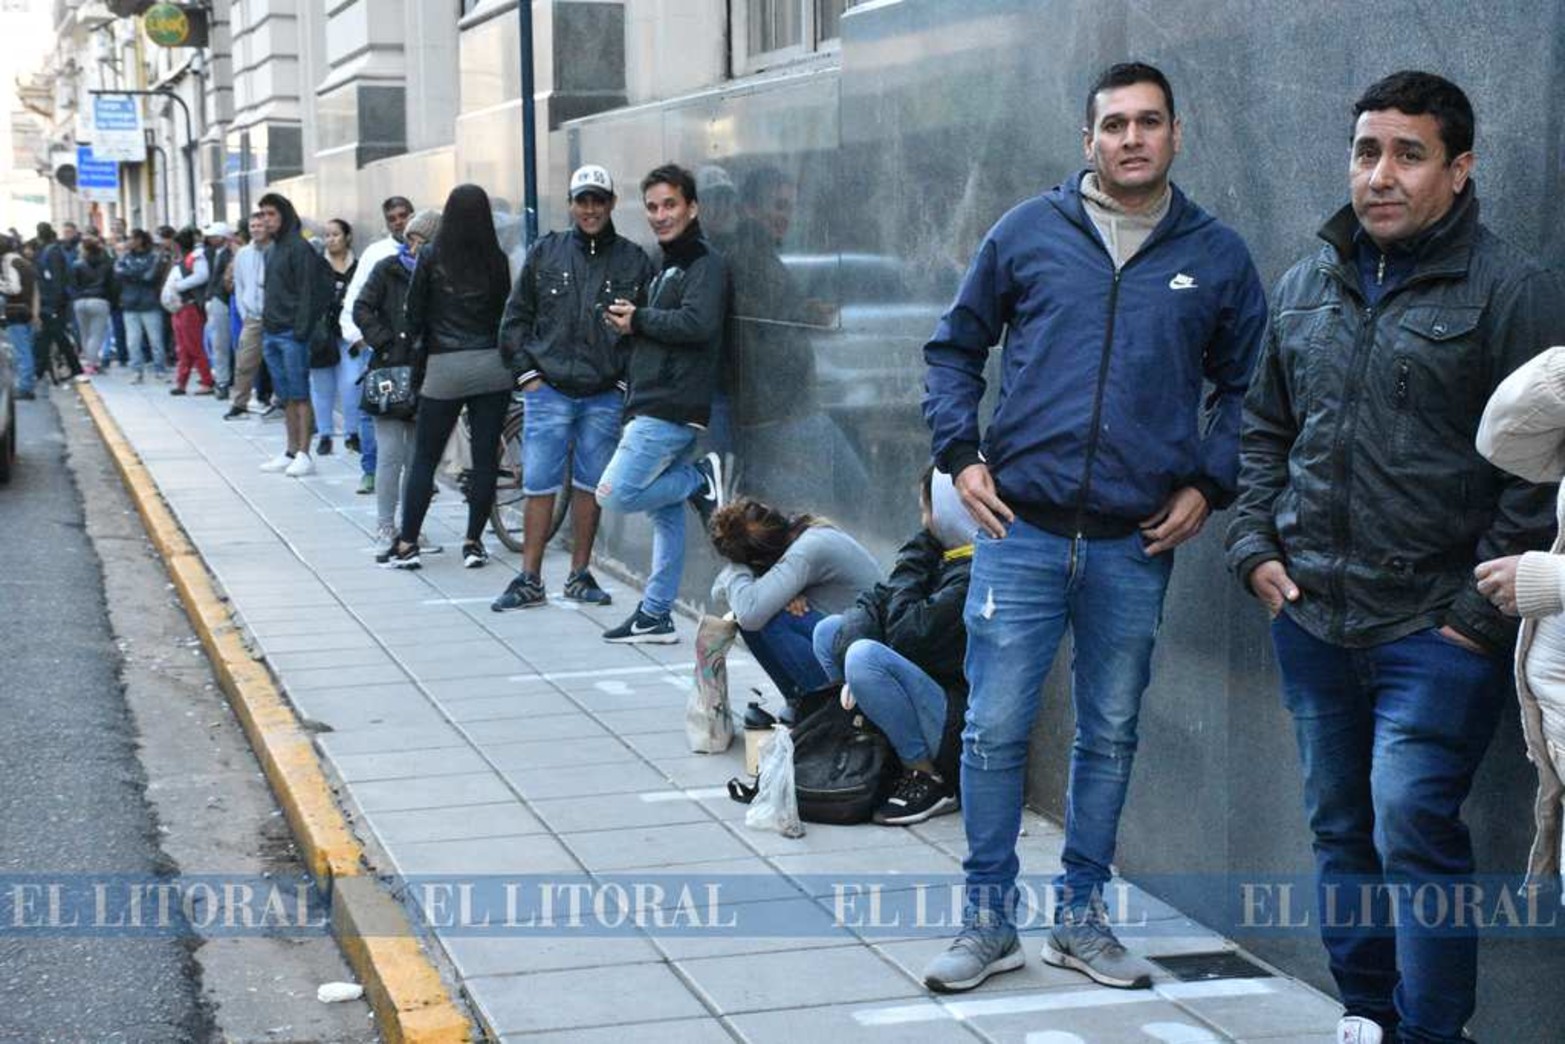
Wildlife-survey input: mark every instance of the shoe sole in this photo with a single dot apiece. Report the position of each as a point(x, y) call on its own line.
point(1057, 959)
point(394, 564)
point(498, 608)
point(474, 563)
point(645, 639)
point(1017, 958)
point(606, 600)
point(943, 807)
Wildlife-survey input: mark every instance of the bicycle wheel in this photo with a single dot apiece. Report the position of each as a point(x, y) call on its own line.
point(506, 517)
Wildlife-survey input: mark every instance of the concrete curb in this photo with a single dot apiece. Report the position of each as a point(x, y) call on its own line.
point(411, 1004)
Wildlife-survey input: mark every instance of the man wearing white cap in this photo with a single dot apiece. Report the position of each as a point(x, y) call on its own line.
point(218, 256)
point(570, 367)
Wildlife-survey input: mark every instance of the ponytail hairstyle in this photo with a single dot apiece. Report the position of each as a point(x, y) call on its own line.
point(757, 535)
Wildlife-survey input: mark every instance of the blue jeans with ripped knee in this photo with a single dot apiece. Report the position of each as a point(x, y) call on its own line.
point(1027, 590)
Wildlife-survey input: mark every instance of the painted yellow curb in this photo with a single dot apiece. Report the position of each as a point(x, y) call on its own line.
point(411, 1003)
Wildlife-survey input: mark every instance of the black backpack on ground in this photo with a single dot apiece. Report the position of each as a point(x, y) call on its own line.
point(843, 767)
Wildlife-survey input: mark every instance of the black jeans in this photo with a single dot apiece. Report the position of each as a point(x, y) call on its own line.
point(436, 419)
point(56, 332)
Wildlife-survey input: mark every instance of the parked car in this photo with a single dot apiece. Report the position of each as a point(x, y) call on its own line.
point(7, 410)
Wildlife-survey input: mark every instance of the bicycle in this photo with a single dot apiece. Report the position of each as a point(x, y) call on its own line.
point(506, 516)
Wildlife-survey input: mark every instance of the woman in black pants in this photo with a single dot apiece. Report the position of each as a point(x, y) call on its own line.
point(453, 314)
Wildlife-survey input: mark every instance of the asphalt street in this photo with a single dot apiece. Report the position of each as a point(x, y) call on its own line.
point(72, 792)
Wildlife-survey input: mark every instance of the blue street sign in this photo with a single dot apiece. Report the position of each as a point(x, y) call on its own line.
point(97, 180)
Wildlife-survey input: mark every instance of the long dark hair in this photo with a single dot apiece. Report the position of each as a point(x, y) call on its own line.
point(755, 534)
point(466, 248)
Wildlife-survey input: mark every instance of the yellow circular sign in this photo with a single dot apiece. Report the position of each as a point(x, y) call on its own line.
point(167, 25)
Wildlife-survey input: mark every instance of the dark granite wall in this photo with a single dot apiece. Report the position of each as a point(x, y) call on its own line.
point(941, 117)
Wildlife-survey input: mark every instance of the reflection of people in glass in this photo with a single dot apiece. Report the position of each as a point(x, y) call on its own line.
point(788, 449)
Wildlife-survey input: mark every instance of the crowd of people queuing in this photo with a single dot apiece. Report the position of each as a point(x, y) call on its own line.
point(1146, 383)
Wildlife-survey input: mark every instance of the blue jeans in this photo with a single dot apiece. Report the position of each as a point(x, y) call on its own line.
point(649, 473)
point(288, 361)
point(893, 692)
point(21, 337)
point(786, 652)
point(1026, 590)
point(334, 388)
point(1390, 738)
point(555, 423)
point(369, 449)
point(144, 333)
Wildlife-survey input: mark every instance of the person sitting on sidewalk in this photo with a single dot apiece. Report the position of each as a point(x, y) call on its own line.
point(190, 319)
point(676, 339)
point(899, 653)
point(454, 306)
point(379, 317)
point(787, 573)
point(569, 364)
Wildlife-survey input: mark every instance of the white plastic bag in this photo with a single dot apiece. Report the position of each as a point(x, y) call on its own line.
point(776, 805)
point(169, 296)
point(709, 726)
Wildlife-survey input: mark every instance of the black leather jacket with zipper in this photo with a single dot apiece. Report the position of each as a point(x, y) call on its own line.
point(1357, 463)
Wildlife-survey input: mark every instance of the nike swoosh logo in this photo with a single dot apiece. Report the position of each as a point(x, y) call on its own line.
point(1182, 282)
point(638, 629)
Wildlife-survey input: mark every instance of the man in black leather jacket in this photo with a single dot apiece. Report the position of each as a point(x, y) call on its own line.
point(570, 367)
point(1363, 510)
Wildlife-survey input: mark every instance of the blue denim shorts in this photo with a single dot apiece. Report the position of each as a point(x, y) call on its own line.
point(288, 361)
point(554, 423)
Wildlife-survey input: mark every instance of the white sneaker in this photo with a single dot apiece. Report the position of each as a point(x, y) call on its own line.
point(302, 465)
point(281, 462)
point(384, 535)
point(1355, 1029)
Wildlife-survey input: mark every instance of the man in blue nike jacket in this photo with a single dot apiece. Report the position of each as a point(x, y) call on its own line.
point(1114, 298)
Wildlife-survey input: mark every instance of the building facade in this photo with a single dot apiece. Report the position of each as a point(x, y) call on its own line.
point(861, 150)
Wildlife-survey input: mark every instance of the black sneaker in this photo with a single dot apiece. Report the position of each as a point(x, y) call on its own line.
point(525, 592)
point(708, 497)
point(235, 413)
point(918, 796)
point(176, 390)
point(581, 586)
point(399, 556)
point(222, 393)
point(643, 629)
point(351, 444)
point(323, 446)
point(473, 555)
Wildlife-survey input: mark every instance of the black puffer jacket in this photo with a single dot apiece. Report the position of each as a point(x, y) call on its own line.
point(553, 326)
point(917, 612)
point(91, 276)
point(1357, 464)
point(677, 337)
point(379, 315)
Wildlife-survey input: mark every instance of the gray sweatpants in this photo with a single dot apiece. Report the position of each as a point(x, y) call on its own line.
point(393, 457)
point(220, 336)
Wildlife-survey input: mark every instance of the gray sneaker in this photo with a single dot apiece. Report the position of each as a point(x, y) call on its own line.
point(986, 946)
point(1082, 941)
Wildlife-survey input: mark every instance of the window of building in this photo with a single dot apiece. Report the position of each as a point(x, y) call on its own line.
point(777, 31)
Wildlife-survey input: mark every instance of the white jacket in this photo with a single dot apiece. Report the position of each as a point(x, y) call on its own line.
point(1523, 432)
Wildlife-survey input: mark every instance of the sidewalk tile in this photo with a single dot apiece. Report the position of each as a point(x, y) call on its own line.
point(542, 754)
point(474, 788)
point(651, 719)
point(676, 1031)
point(787, 924)
point(540, 950)
point(1284, 1007)
point(1099, 1015)
point(653, 847)
point(317, 659)
point(667, 745)
point(582, 998)
point(344, 678)
point(746, 880)
point(839, 1025)
point(703, 770)
point(489, 708)
point(828, 837)
point(568, 725)
point(615, 811)
point(454, 823)
point(524, 854)
point(383, 738)
point(408, 764)
point(354, 639)
point(914, 864)
point(585, 781)
point(830, 976)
